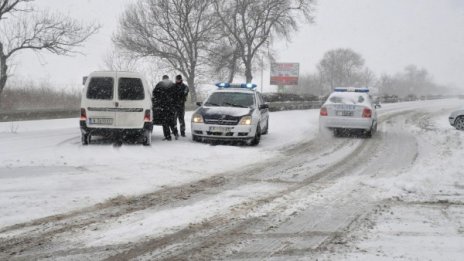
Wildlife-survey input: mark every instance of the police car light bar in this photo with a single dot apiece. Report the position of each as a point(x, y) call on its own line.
point(250, 86)
point(351, 89)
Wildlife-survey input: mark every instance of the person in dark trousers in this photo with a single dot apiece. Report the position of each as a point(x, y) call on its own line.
point(182, 92)
point(164, 107)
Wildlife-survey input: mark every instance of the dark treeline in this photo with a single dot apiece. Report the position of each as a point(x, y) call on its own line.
point(345, 67)
point(31, 96)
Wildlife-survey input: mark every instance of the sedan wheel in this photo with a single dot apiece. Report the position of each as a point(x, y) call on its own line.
point(459, 123)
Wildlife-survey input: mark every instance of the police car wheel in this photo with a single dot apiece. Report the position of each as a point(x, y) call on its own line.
point(86, 139)
point(266, 131)
point(147, 138)
point(257, 137)
point(459, 123)
point(196, 138)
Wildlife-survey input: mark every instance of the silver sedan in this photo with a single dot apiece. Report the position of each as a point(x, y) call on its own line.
point(456, 119)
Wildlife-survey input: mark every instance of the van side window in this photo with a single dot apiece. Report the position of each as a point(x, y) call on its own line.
point(100, 88)
point(131, 89)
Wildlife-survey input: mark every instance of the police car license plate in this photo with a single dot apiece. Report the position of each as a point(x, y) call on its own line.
point(344, 113)
point(219, 129)
point(101, 121)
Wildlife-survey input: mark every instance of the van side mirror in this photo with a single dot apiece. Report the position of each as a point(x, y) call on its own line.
point(264, 106)
point(84, 80)
point(199, 104)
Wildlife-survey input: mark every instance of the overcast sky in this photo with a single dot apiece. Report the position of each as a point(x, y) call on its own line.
point(389, 34)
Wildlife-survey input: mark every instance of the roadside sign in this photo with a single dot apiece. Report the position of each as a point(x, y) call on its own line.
point(285, 73)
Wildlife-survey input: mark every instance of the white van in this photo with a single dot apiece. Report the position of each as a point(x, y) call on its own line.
point(116, 103)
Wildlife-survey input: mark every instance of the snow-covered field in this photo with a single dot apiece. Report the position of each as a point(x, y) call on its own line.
point(44, 170)
point(298, 195)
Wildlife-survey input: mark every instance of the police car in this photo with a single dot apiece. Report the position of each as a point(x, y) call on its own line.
point(349, 109)
point(233, 112)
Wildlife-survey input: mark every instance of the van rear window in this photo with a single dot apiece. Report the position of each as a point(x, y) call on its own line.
point(100, 88)
point(131, 89)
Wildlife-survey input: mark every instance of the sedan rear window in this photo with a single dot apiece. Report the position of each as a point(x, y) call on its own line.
point(131, 89)
point(347, 98)
point(100, 88)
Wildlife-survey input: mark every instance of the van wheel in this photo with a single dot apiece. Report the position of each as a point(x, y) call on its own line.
point(257, 138)
point(86, 139)
point(147, 138)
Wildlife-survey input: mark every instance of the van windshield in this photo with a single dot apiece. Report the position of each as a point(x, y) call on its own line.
point(100, 88)
point(131, 89)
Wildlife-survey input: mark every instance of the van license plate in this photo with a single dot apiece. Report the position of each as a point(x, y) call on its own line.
point(101, 121)
point(345, 113)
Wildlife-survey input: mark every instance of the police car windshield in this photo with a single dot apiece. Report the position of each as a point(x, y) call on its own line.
point(230, 99)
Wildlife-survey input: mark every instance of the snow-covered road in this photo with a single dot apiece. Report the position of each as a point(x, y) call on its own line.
point(296, 196)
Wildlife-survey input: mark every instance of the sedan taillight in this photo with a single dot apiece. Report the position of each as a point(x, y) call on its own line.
point(324, 111)
point(367, 113)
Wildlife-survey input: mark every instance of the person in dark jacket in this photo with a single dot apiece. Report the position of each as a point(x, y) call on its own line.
point(164, 109)
point(181, 95)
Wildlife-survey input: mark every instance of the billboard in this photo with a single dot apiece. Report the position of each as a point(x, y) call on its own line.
point(285, 73)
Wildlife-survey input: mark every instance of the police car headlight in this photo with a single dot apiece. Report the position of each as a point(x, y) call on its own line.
point(246, 120)
point(197, 118)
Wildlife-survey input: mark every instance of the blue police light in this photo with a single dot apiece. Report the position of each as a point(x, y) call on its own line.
point(351, 89)
point(223, 85)
point(249, 85)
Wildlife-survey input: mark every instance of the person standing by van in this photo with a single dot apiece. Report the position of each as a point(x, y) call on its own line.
point(182, 92)
point(164, 109)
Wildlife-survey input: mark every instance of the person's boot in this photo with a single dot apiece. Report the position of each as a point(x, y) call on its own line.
point(182, 134)
point(176, 136)
point(167, 139)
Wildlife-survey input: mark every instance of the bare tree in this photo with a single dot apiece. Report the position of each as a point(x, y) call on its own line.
point(412, 81)
point(251, 22)
point(341, 67)
point(225, 60)
point(179, 32)
point(36, 31)
point(117, 60)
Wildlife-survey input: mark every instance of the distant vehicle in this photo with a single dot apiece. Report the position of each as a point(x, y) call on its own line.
point(116, 103)
point(390, 99)
point(456, 119)
point(411, 97)
point(234, 112)
point(349, 109)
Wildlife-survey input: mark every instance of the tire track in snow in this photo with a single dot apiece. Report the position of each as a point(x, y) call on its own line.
point(39, 232)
